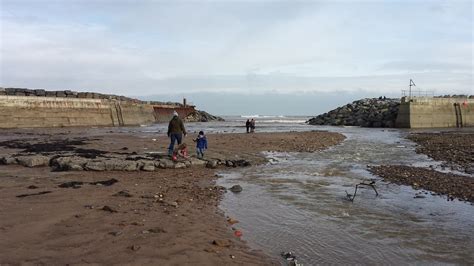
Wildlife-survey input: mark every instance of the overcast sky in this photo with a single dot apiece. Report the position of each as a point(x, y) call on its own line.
point(293, 48)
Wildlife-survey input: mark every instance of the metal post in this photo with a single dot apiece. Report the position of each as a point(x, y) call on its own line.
point(409, 92)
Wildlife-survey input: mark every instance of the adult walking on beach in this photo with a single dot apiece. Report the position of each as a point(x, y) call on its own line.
point(252, 125)
point(176, 131)
point(247, 125)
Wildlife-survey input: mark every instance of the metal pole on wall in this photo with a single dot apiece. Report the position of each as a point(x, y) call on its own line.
point(409, 92)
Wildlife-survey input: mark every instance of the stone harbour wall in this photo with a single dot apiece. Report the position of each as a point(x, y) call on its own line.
point(32, 111)
point(420, 112)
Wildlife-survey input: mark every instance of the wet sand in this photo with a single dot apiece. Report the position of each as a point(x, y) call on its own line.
point(169, 216)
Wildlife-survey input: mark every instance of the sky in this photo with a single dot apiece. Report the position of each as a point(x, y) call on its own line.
point(239, 57)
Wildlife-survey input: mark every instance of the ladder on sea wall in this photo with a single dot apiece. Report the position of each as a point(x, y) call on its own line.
point(457, 111)
point(116, 114)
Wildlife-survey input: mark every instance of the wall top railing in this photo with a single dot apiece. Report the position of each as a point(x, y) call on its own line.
point(418, 93)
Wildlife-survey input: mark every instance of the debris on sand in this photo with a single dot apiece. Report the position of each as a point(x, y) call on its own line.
point(108, 209)
point(33, 194)
point(106, 183)
point(71, 184)
point(78, 184)
point(123, 193)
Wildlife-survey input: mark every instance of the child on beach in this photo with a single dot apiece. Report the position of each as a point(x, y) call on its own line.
point(201, 144)
point(180, 151)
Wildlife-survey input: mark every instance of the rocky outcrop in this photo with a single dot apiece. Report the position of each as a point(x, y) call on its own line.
point(201, 116)
point(370, 112)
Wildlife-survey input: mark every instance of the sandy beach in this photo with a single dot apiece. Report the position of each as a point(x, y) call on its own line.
point(169, 216)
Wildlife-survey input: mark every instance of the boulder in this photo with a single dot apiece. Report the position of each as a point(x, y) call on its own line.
point(71, 163)
point(33, 160)
point(165, 163)
point(179, 165)
point(8, 160)
point(148, 166)
point(195, 161)
point(211, 164)
point(95, 166)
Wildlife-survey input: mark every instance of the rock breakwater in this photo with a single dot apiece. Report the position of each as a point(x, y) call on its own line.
point(202, 116)
point(369, 112)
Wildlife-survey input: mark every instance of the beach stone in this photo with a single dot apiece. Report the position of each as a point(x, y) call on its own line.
point(8, 160)
point(236, 188)
point(95, 166)
point(113, 165)
point(165, 163)
point(33, 161)
point(179, 165)
point(222, 243)
point(129, 165)
point(211, 164)
point(108, 209)
point(70, 163)
point(198, 162)
point(148, 166)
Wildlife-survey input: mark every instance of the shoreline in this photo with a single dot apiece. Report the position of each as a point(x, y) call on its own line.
point(171, 216)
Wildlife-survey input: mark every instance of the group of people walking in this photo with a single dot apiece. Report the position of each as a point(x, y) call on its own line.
point(250, 125)
point(177, 131)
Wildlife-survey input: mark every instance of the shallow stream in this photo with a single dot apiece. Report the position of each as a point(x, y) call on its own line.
point(298, 203)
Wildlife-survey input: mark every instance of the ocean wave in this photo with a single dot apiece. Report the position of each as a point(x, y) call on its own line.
point(262, 116)
point(282, 121)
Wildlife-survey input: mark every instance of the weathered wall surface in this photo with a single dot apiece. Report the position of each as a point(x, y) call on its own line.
point(33, 111)
point(435, 112)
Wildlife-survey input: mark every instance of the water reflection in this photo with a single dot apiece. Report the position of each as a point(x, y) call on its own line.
point(297, 202)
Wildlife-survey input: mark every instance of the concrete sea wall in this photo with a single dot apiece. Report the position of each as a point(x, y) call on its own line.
point(33, 111)
point(420, 112)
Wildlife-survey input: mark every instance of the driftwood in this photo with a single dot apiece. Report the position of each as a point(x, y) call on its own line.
point(362, 184)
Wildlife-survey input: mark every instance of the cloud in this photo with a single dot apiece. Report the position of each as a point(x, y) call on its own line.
point(157, 46)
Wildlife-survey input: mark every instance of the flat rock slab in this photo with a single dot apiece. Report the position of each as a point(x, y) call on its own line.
point(33, 161)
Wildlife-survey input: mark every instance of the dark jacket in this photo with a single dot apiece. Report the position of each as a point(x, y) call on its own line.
point(201, 142)
point(176, 126)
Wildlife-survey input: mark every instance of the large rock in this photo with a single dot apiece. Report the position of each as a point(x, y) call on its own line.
point(71, 163)
point(33, 160)
point(165, 163)
point(8, 160)
point(148, 166)
point(198, 162)
point(95, 166)
point(212, 164)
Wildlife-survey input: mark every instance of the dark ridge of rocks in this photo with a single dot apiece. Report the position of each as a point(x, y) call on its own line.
point(43, 147)
point(202, 116)
point(454, 148)
point(451, 185)
point(370, 112)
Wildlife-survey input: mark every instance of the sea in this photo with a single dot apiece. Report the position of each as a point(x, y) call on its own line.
point(298, 203)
